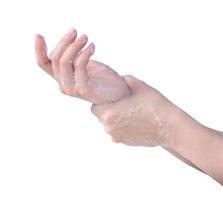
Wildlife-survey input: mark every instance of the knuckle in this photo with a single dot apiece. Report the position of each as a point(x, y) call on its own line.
point(84, 92)
point(109, 129)
point(109, 116)
point(69, 92)
point(62, 90)
point(66, 90)
point(116, 139)
point(63, 61)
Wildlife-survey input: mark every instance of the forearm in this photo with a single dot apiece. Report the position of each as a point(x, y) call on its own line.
point(200, 145)
point(180, 157)
point(147, 118)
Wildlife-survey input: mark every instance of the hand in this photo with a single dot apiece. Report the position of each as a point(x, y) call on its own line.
point(76, 74)
point(145, 118)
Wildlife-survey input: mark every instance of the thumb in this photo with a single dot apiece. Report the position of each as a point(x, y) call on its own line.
point(100, 110)
point(133, 83)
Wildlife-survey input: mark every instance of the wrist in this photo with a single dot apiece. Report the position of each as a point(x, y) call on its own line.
point(176, 122)
point(183, 129)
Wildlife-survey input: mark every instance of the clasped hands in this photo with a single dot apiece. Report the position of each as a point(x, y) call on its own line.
point(132, 112)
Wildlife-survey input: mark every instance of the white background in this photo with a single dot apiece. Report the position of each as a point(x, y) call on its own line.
point(52, 147)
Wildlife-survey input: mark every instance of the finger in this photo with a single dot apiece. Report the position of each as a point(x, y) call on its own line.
point(81, 75)
point(41, 55)
point(66, 61)
point(98, 110)
point(133, 83)
point(116, 139)
point(104, 112)
point(59, 50)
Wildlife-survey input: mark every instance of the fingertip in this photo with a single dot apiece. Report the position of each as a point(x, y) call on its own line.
point(92, 48)
point(72, 30)
point(88, 51)
point(129, 77)
point(40, 46)
point(39, 40)
point(133, 82)
point(81, 62)
point(39, 37)
point(71, 34)
point(36, 39)
point(83, 38)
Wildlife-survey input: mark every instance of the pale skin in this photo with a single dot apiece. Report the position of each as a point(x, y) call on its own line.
point(131, 111)
point(78, 76)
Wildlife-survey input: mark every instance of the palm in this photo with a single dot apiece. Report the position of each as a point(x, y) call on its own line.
point(103, 85)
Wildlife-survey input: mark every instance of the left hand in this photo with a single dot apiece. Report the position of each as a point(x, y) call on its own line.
point(76, 74)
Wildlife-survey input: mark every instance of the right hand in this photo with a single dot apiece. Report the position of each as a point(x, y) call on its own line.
point(76, 74)
point(145, 118)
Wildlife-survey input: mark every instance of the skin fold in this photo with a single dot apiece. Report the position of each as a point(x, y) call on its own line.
point(131, 111)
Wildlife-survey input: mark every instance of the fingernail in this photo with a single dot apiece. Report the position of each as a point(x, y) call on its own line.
point(37, 36)
point(92, 48)
point(71, 31)
point(83, 38)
